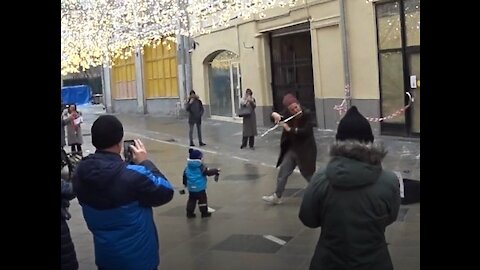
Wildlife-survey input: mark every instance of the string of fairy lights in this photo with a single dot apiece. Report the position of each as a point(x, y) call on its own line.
point(95, 32)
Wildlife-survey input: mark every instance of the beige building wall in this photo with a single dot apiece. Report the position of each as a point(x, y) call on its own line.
point(361, 27)
point(327, 54)
point(238, 39)
point(209, 44)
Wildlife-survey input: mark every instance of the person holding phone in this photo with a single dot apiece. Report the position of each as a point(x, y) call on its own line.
point(127, 151)
point(117, 199)
point(74, 119)
point(249, 123)
point(194, 107)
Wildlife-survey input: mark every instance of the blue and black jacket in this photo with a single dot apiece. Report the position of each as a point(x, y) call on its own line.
point(117, 200)
point(195, 175)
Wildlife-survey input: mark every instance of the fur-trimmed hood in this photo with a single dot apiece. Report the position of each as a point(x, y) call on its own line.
point(354, 164)
point(372, 153)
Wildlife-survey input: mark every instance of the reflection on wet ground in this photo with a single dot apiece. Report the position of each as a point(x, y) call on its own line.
point(244, 232)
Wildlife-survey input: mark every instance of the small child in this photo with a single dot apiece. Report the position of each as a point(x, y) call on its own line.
point(195, 179)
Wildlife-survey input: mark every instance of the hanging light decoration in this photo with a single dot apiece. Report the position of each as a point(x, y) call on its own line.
point(94, 32)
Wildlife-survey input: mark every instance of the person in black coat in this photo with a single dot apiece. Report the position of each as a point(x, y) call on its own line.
point(194, 107)
point(68, 255)
point(297, 146)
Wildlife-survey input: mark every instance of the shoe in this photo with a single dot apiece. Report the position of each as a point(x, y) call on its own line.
point(202, 144)
point(242, 146)
point(211, 210)
point(272, 199)
point(192, 144)
point(206, 215)
point(252, 147)
point(191, 215)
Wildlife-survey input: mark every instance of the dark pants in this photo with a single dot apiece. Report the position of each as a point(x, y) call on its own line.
point(250, 140)
point(193, 197)
point(68, 256)
point(76, 147)
point(199, 131)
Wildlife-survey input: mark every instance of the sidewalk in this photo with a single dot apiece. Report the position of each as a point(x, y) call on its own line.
point(403, 153)
point(239, 234)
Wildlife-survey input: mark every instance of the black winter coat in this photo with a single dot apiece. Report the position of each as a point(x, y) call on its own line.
point(68, 256)
point(195, 111)
point(301, 140)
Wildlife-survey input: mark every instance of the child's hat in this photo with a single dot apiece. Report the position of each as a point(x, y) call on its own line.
point(195, 154)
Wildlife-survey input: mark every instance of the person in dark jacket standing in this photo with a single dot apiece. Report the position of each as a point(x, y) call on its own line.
point(194, 107)
point(297, 146)
point(249, 128)
point(68, 256)
point(117, 199)
point(353, 199)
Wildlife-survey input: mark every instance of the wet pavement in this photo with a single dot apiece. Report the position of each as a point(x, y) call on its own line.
point(244, 232)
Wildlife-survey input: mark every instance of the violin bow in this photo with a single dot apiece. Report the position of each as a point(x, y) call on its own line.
point(277, 125)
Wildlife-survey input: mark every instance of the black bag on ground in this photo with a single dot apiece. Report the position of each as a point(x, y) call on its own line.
point(411, 191)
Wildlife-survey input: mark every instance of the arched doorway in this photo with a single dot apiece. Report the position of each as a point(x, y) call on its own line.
point(224, 83)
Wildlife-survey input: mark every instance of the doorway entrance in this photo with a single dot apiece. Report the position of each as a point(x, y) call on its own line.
point(398, 37)
point(225, 88)
point(292, 72)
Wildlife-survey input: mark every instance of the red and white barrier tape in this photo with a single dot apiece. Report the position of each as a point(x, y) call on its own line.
point(343, 107)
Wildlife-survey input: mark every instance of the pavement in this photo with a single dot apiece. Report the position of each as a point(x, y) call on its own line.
point(244, 232)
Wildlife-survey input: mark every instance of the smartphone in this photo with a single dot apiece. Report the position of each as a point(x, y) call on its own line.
point(127, 152)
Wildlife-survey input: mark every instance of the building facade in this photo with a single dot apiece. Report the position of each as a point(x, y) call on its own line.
point(146, 82)
point(314, 50)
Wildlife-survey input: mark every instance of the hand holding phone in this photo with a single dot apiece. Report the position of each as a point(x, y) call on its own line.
point(139, 152)
point(127, 151)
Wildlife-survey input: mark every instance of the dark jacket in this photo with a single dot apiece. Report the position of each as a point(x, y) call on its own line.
point(301, 140)
point(353, 200)
point(195, 111)
point(117, 200)
point(68, 256)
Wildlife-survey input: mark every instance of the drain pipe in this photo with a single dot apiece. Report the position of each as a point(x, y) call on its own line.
point(346, 65)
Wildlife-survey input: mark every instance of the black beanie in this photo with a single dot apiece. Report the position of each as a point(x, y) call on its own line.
point(354, 126)
point(106, 131)
point(195, 154)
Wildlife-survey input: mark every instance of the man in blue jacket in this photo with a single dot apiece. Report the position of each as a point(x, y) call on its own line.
point(117, 199)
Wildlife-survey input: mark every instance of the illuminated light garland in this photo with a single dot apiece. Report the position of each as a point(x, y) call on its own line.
point(94, 32)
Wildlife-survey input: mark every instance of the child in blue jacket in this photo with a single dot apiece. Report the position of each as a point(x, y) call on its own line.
point(195, 179)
